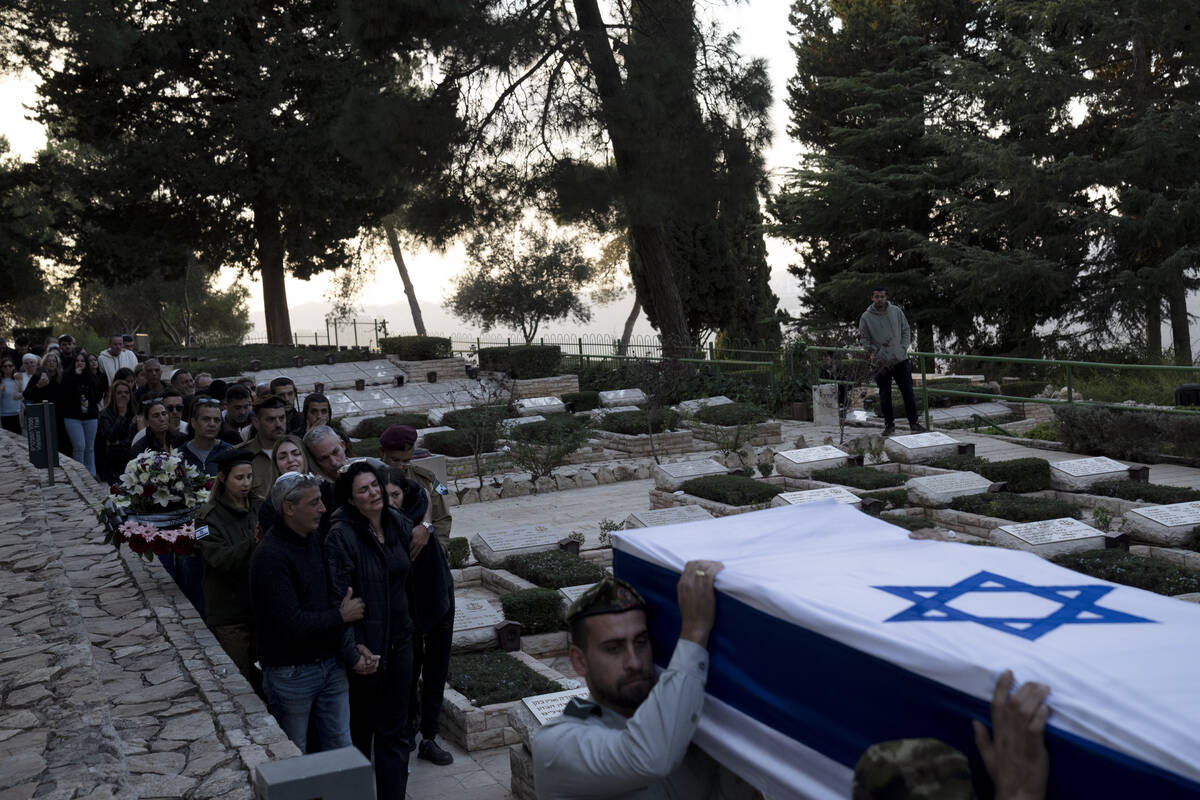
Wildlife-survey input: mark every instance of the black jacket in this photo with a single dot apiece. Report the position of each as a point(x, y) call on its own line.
point(296, 617)
point(430, 585)
point(377, 572)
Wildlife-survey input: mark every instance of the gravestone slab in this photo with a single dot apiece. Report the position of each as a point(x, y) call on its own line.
point(532, 406)
point(423, 432)
point(596, 412)
point(475, 621)
point(666, 516)
point(918, 448)
point(569, 594)
point(435, 415)
point(492, 547)
point(1077, 474)
point(1169, 525)
point(505, 426)
point(1049, 538)
point(622, 397)
point(546, 707)
point(804, 462)
point(670, 477)
point(825, 404)
point(813, 495)
point(692, 406)
point(938, 490)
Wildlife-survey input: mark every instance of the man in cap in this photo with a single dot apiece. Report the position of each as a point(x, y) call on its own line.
point(431, 648)
point(631, 739)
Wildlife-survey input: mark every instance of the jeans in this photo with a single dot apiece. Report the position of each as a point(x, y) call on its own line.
point(318, 690)
point(379, 719)
point(431, 656)
point(82, 433)
point(903, 375)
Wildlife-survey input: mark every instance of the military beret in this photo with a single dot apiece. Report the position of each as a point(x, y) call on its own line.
point(398, 437)
point(609, 596)
point(914, 769)
point(230, 458)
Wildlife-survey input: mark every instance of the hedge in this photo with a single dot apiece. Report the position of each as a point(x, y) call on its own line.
point(1119, 566)
point(416, 348)
point(456, 443)
point(470, 417)
point(732, 414)
point(860, 477)
point(1144, 492)
point(522, 361)
point(635, 422)
point(1133, 435)
point(1014, 507)
point(554, 569)
point(960, 463)
point(734, 490)
point(582, 401)
point(892, 498)
point(910, 523)
point(225, 361)
point(375, 426)
point(365, 448)
point(458, 551)
point(536, 609)
point(495, 677)
point(550, 430)
point(1021, 474)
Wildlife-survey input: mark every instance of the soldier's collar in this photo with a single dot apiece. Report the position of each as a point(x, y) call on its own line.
point(582, 709)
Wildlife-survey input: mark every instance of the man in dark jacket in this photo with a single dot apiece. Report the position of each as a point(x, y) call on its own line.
point(304, 645)
point(885, 336)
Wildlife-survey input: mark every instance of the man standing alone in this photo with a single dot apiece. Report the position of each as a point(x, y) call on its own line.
point(886, 336)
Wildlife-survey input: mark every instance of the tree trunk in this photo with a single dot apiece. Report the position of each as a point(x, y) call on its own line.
point(1181, 338)
point(398, 257)
point(268, 236)
point(1154, 342)
point(627, 333)
point(646, 229)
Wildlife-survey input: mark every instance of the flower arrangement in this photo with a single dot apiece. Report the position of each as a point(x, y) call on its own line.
point(152, 506)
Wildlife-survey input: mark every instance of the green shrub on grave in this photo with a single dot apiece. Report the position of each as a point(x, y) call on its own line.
point(1133, 435)
point(456, 443)
point(375, 426)
point(892, 498)
point(733, 490)
point(554, 569)
point(536, 609)
point(1021, 474)
point(731, 414)
point(554, 429)
point(365, 448)
point(861, 477)
point(911, 523)
point(1144, 492)
point(1142, 572)
point(1014, 507)
point(582, 401)
point(495, 677)
point(961, 463)
point(1046, 431)
point(522, 361)
point(633, 423)
point(475, 416)
point(416, 348)
point(458, 551)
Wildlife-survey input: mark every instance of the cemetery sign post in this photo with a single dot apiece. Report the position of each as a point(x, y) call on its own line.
point(41, 434)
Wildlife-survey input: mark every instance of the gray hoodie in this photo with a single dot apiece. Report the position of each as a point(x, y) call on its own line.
point(885, 335)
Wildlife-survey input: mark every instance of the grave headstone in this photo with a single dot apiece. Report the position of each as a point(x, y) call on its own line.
point(1077, 474)
point(938, 490)
point(825, 404)
point(666, 516)
point(670, 477)
point(692, 406)
point(492, 547)
point(505, 426)
point(1050, 537)
point(1169, 525)
point(918, 448)
point(532, 406)
point(569, 594)
point(622, 397)
point(813, 495)
point(546, 707)
point(475, 621)
point(804, 462)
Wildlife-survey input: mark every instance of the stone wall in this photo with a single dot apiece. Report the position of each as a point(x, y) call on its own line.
point(671, 443)
point(480, 728)
point(418, 371)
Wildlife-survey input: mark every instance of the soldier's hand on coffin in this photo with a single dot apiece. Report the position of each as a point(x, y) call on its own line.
point(697, 600)
point(1015, 751)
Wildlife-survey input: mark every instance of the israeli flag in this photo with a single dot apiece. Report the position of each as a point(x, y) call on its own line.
point(836, 631)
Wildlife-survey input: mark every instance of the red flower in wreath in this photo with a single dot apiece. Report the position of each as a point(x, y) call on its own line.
point(138, 544)
point(149, 489)
point(160, 546)
point(183, 545)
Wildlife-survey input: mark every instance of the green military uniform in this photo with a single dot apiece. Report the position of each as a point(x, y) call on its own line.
point(263, 465)
point(915, 769)
point(440, 513)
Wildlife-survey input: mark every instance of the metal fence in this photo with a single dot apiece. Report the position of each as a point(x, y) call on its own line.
point(356, 334)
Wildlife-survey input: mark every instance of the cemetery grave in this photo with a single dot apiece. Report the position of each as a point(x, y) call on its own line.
point(666, 516)
point(815, 495)
point(670, 477)
point(1078, 474)
point(535, 406)
point(803, 462)
point(722, 495)
point(622, 397)
point(936, 491)
point(692, 406)
point(921, 448)
point(1049, 538)
point(630, 432)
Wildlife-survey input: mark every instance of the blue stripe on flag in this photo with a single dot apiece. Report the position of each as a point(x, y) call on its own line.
point(839, 700)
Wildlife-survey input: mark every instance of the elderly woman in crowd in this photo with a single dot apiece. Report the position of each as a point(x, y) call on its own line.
point(47, 387)
point(231, 516)
point(367, 550)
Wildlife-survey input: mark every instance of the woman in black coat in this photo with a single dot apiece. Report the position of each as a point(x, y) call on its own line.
point(114, 437)
point(366, 550)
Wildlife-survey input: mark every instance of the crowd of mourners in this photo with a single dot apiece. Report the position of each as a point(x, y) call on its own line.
point(323, 576)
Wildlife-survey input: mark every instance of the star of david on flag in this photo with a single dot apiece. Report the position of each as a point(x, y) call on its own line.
point(1077, 605)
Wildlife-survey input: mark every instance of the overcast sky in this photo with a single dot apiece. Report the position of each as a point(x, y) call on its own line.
point(764, 29)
